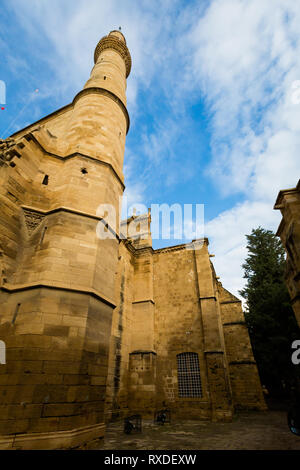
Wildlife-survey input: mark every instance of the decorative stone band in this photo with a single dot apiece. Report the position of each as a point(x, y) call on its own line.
point(57, 286)
point(230, 302)
point(60, 209)
point(213, 351)
point(149, 250)
point(31, 137)
point(36, 212)
point(112, 42)
point(143, 301)
point(110, 94)
point(243, 323)
point(53, 440)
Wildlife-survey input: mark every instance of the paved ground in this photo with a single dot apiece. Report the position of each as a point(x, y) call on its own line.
point(251, 431)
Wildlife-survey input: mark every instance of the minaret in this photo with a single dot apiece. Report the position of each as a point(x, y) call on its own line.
point(100, 120)
point(58, 297)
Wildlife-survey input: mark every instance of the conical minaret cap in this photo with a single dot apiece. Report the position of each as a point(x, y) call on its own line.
point(115, 40)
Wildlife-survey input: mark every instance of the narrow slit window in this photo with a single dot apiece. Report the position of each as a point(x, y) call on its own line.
point(15, 314)
point(45, 180)
point(189, 380)
point(43, 235)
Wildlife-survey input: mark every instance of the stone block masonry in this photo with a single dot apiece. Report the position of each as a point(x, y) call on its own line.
point(99, 329)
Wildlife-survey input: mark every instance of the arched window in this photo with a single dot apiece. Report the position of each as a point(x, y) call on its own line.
point(189, 380)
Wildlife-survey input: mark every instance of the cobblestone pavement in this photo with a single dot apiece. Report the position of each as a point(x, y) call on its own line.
point(249, 431)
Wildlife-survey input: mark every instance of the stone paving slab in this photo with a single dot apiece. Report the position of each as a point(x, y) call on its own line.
point(248, 431)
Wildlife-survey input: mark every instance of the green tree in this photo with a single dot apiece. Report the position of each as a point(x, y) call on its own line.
point(269, 314)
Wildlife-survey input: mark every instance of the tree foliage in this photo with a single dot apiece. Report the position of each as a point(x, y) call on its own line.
point(269, 314)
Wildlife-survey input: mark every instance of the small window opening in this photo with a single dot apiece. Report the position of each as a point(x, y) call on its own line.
point(46, 180)
point(84, 171)
point(104, 78)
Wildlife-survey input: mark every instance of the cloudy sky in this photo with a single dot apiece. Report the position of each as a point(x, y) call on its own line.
point(212, 97)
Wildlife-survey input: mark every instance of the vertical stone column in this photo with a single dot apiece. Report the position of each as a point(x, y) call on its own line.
point(244, 378)
point(218, 382)
point(142, 363)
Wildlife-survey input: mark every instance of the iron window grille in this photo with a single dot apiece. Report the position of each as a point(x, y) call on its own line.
point(189, 380)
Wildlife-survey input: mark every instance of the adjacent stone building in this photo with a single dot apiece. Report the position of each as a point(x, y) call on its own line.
point(97, 329)
point(288, 202)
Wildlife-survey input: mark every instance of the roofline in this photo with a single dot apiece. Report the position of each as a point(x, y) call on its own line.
point(284, 192)
point(181, 246)
point(56, 112)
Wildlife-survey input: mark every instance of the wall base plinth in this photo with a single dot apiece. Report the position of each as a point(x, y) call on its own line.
point(53, 440)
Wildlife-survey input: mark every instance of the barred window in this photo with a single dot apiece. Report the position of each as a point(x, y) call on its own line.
point(189, 380)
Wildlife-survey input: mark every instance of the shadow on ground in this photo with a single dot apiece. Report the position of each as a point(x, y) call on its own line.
point(251, 431)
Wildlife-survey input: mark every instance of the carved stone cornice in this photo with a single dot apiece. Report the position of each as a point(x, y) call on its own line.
point(60, 286)
point(185, 246)
point(109, 94)
point(112, 42)
point(34, 216)
point(147, 250)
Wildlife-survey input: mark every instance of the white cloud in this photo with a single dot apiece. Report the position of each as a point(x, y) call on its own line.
point(135, 187)
point(245, 66)
point(227, 237)
point(241, 57)
point(245, 58)
point(74, 28)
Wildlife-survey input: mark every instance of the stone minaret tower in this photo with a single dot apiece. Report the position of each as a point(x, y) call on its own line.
point(57, 276)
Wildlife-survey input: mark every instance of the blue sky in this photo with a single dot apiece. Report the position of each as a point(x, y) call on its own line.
point(213, 121)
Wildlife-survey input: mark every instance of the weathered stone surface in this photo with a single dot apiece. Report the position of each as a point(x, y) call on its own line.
point(94, 328)
point(288, 202)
